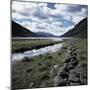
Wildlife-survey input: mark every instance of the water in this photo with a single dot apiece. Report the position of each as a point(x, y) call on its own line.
point(34, 52)
point(51, 38)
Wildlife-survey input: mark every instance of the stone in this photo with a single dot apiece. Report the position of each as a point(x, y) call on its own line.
point(63, 74)
point(67, 60)
point(59, 81)
point(55, 66)
point(74, 77)
point(74, 84)
point(31, 84)
point(65, 68)
point(74, 63)
point(70, 67)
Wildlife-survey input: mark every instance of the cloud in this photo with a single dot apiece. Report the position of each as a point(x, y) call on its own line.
point(53, 18)
point(76, 19)
point(68, 9)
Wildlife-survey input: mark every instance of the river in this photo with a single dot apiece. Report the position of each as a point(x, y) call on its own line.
point(36, 52)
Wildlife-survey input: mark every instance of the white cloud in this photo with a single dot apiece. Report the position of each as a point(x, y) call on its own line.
point(76, 19)
point(46, 19)
point(57, 24)
point(67, 17)
point(23, 7)
point(70, 10)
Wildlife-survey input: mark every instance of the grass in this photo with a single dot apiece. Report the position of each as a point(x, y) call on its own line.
point(20, 45)
point(41, 70)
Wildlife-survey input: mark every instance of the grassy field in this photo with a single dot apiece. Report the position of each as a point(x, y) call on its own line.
point(41, 70)
point(19, 45)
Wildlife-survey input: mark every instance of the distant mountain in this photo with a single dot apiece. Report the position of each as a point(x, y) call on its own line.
point(20, 31)
point(80, 30)
point(44, 34)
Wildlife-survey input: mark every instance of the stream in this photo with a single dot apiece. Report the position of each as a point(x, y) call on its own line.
point(36, 52)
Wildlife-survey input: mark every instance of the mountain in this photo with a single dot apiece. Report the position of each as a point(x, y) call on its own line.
point(80, 30)
point(20, 31)
point(44, 34)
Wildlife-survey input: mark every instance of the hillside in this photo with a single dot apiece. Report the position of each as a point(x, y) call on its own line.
point(20, 31)
point(80, 30)
point(45, 34)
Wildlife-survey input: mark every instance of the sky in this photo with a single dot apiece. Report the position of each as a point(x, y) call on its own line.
point(52, 18)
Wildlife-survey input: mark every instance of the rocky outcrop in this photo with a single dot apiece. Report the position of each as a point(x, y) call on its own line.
point(69, 75)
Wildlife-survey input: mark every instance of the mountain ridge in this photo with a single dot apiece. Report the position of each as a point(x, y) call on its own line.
point(45, 34)
point(20, 31)
point(80, 30)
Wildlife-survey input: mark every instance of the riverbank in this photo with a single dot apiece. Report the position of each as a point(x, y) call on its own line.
point(36, 52)
point(21, 45)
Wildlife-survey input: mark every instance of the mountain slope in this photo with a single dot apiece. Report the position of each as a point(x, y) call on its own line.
point(45, 34)
point(20, 31)
point(80, 30)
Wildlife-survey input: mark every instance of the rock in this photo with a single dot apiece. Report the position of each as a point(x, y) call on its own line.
point(55, 66)
point(42, 85)
point(51, 72)
point(74, 77)
point(69, 73)
point(31, 84)
point(67, 60)
point(74, 84)
point(73, 71)
point(84, 82)
point(70, 66)
point(78, 68)
point(74, 63)
point(74, 57)
point(63, 74)
point(75, 53)
point(60, 81)
point(73, 49)
point(65, 68)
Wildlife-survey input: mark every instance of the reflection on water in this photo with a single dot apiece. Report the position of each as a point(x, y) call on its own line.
point(32, 53)
point(51, 38)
